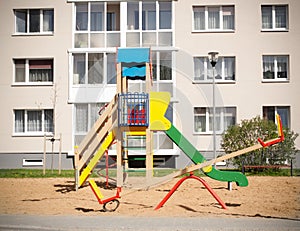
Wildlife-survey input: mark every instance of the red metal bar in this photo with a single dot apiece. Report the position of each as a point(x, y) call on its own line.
point(119, 189)
point(275, 141)
point(112, 198)
point(191, 176)
point(106, 163)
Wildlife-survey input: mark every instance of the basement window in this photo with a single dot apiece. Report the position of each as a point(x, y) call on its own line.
point(33, 162)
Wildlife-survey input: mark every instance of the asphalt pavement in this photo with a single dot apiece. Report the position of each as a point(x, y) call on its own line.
point(114, 223)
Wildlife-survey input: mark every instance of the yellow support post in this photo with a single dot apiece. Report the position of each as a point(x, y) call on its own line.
point(96, 190)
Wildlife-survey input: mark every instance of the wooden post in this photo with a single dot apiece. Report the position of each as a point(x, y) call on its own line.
point(119, 78)
point(59, 154)
point(52, 153)
point(119, 159)
point(149, 154)
point(148, 78)
point(76, 161)
point(44, 161)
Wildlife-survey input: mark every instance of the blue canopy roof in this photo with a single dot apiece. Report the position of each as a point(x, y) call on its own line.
point(133, 55)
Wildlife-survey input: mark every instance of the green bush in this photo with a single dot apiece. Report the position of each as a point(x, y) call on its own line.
point(244, 135)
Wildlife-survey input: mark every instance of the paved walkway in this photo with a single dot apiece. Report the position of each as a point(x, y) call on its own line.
point(114, 223)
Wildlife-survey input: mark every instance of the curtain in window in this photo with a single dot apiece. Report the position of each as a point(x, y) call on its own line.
point(48, 121)
point(283, 112)
point(48, 20)
point(268, 67)
point(149, 16)
point(266, 12)
point(229, 68)
point(217, 121)
point(199, 68)
point(21, 21)
point(165, 15)
point(94, 112)
point(280, 18)
point(95, 68)
point(228, 17)
point(79, 69)
point(199, 18)
point(19, 70)
point(200, 119)
point(97, 10)
point(111, 69)
point(165, 65)
point(218, 70)
point(40, 70)
point(81, 16)
point(213, 18)
point(19, 121)
point(282, 62)
point(81, 117)
point(111, 21)
point(34, 121)
point(229, 117)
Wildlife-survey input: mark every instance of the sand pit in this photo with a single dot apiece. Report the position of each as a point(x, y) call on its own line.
point(276, 197)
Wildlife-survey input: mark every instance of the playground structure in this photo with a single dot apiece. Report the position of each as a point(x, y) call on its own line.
point(141, 114)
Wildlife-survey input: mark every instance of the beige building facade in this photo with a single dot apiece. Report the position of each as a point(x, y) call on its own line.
point(58, 69)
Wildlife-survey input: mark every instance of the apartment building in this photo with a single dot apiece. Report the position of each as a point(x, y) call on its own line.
point(58, 70)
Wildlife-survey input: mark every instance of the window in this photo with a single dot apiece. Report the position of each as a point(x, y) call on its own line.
point(149, 23)
point(97, 24)
point(213, 18)
point(85, 116)
point(162, 71)
point(149, 16)
point(33, 71)
point(275, 67)
point(203, 119)
point(269, 113)
point(88, 68)
point(274, 17)
point(224, 69)
point(165, 15)
point(34, 21)
point(33, 122)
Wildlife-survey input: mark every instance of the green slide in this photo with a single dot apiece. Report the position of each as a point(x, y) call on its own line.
point(197, 157)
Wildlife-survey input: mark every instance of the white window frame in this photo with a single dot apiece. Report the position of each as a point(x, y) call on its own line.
point(206, 29)
point(208, 68)
point(27, 71)
point(41, 32)
point(276, 109)
point(81, 44)
point(141, 35)
point(33, 133)
point(275, 67)
point(105, 69)
point(274, 28)
point(208, 117)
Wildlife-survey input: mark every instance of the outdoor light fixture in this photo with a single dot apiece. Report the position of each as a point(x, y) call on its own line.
point(213, 59)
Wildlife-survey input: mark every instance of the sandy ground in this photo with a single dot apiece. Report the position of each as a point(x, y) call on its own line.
point(272, 197)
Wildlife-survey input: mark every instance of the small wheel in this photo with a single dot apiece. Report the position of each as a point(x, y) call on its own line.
point(111, 206)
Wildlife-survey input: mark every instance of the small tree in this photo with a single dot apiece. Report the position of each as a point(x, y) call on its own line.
point(243, 135)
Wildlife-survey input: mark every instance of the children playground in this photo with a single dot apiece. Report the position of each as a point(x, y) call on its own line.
point(138, 115)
